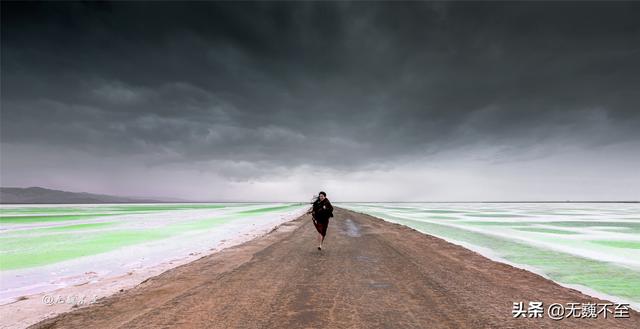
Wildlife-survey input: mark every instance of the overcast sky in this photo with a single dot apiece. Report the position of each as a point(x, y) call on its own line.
point(369, 101)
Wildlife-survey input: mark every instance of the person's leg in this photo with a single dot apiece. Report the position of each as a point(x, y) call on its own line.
point(322, 228)
point(324, 232)
point(319, 240)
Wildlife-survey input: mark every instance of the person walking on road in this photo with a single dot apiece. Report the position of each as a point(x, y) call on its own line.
point(321, 211)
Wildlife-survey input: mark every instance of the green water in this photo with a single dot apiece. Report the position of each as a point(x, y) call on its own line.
point(29, 240)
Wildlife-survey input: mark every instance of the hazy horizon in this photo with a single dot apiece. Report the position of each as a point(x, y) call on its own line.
point(177, 200)
point(378, 101)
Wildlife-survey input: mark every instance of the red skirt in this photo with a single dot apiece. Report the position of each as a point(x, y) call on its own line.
point(321, 226)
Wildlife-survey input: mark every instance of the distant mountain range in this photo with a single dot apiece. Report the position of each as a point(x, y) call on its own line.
point(44, 195)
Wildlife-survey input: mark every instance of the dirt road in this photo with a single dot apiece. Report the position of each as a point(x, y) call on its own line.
point(372, 274)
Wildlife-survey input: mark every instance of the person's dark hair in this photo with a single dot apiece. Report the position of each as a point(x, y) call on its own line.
point(316, 198)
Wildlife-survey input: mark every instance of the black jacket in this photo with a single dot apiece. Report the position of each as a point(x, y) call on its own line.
point(322, 210)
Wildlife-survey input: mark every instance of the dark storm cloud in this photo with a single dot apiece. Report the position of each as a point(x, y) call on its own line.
point(344, 85)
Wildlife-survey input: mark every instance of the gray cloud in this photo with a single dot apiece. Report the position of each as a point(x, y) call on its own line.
point(249, 91)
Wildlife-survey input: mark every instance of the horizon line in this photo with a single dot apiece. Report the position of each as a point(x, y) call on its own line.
point(337, 202)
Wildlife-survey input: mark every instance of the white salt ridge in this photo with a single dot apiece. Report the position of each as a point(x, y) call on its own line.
point(630, 258)
point(488, 253)
point(28, 281)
